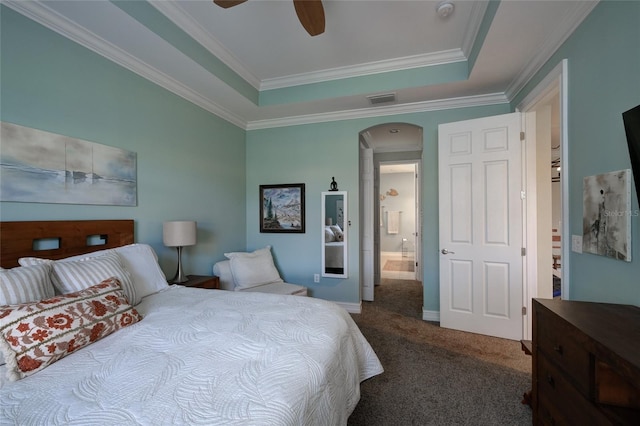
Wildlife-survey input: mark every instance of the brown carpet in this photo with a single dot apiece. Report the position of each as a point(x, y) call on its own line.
point(433, 375)
point(399, 265)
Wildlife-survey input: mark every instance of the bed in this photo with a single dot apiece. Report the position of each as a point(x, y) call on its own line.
point(186, 355)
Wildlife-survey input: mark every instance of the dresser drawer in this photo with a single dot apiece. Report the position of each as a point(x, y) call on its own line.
point(560, 343)
point(559, 402)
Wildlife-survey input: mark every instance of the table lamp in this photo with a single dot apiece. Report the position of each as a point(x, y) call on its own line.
point(179, 234)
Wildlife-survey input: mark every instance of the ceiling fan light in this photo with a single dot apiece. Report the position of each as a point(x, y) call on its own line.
point(444, 9)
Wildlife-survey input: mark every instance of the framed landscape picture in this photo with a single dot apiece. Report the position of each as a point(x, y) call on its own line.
point(282, 208)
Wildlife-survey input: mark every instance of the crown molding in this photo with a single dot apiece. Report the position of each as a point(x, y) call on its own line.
point(378, 67)
point(553, 43)
point(39, 12)
point(176, 14)
point(409, 108)
point(49, 18)
point(471, 32)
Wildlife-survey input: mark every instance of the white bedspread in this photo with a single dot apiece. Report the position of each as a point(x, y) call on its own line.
point(206, 357)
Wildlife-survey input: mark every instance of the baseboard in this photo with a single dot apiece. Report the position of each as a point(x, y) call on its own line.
point(352, 308)
point(431, 315)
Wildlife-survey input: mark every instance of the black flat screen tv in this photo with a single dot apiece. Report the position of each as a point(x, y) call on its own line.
point(631, 120)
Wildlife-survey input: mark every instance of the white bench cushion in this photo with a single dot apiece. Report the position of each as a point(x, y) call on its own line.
point(280, 288)
point(222, 269)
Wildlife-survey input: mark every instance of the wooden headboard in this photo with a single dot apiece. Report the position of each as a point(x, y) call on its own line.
point(69, 237)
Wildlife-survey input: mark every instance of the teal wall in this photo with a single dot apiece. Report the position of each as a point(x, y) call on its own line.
point(312, 154)
point(190, 162)
point(603, 81)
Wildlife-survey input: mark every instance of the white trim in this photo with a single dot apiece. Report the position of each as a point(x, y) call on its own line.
point(430, 315)
point(529, 212)
point(175, 13)
point(425, 106)
point(388, 65)
point(352, 308)
point(471, 32)
point(564, 177)
point(557, 79)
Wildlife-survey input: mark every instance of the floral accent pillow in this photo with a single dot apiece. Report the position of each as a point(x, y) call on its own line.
point(37, 334)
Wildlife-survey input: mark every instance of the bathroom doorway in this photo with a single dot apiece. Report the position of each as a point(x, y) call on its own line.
point(398, 183)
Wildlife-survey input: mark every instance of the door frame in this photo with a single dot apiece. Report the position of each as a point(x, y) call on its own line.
point(556, 79)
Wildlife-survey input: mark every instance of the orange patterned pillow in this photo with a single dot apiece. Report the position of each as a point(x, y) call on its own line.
point(37, 334)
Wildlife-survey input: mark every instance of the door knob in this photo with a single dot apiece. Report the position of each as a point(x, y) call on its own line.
point(445, 251)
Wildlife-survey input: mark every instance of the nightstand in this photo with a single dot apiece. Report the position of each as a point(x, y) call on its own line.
point(202, 281)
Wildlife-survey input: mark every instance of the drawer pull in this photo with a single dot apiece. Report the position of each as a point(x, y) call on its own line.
point(558, 349)
point(551, 381)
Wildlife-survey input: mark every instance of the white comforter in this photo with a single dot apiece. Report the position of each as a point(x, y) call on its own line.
point(206, 357)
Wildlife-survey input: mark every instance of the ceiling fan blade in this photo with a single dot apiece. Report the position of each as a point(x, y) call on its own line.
point(228, 3)
point(311, 15)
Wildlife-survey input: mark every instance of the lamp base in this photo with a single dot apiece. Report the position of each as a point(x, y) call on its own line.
point(179, 277)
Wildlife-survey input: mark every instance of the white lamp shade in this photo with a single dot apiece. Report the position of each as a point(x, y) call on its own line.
point(179, 233)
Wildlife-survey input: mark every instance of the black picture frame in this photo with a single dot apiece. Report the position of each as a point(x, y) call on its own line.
point(282, 208)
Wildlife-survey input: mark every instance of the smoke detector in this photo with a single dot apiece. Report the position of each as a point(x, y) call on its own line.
point(444, 9)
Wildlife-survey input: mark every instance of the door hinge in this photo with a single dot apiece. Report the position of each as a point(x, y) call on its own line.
point(523, 195)
point(523, 251)
point(524, 310)
point(521, 136)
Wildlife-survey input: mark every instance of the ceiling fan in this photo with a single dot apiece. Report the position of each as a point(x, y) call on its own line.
point(310, 13)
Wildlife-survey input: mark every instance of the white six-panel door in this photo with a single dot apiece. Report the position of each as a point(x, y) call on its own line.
point(481, 226)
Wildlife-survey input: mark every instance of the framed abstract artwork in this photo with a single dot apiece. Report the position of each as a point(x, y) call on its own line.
point(282, 208)
point(606, 221)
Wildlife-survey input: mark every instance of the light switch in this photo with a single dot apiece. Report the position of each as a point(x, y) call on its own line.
point(576, 243)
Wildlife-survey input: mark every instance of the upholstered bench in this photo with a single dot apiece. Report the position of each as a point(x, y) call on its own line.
point(254, 271)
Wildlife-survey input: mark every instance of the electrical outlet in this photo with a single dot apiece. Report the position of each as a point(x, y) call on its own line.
point(316, 278)
point(576, 243)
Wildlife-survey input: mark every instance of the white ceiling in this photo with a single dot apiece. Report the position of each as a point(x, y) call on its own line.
point(262, 42)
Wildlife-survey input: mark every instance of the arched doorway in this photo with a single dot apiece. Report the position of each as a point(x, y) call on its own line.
point(397, 147)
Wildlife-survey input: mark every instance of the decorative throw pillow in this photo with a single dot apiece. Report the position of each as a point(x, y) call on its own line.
point(253, 269)
point(37, 334)
point(74, 275)
point(25, 284)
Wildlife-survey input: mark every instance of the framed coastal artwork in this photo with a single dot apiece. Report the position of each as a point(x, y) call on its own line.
point(282, 208)
point(606, 222)
point(43, 167)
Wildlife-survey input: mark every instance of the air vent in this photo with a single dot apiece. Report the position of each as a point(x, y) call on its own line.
point(382, 99)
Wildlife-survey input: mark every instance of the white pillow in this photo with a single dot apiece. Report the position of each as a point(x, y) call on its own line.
point(328, 235)
point(25, 284)
point(222, 270)
point(337, 232)
point(139, 259)
point(253, 269)
point(142, 263)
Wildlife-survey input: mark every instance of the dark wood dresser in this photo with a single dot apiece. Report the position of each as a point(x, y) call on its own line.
point(586, 363)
